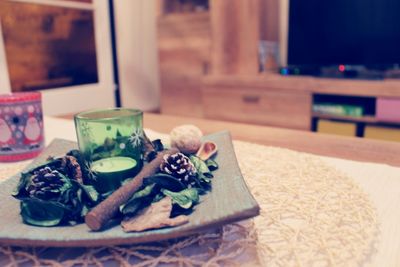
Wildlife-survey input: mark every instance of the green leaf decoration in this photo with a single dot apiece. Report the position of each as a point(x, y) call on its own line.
point(212, 164)
point(68, 196)
point(132, 207)
point(85, 210)
point(199, 164)
point(40, 213)
point(158, 197)
point(204, 175)
point(90, 192)
point(204, 178)
point(144, 192)
point(20, 192)
point(185, 198)
point(208, 175)
point(165, 181)
point(158, 145)
point(138, 200)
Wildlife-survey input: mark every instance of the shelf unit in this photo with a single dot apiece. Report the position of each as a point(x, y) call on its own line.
point(369, 112)
point(362, 119)
point(287, 101)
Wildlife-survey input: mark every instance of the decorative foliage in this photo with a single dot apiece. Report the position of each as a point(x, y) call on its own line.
point(185, 199)
point(50, 197)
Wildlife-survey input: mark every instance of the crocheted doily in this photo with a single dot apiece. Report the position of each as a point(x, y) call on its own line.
point(311, 215)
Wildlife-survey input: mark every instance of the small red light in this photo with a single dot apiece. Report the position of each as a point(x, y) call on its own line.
point(342, 68)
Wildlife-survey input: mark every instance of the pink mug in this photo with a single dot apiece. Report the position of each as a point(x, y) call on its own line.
point(21, 126)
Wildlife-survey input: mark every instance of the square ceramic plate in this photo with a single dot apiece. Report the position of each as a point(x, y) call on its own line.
point(229, 201)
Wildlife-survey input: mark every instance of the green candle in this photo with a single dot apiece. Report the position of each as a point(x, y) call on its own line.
point(111, 172)
point(110, 141)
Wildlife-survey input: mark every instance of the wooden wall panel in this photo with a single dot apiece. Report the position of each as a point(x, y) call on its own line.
point(184, 52)
point(269, 20)
point(235, 36)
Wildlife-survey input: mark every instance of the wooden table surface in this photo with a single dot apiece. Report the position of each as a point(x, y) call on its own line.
point(353, 148)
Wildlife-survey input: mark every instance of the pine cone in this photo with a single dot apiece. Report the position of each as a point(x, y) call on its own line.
point(179, 166)
point(46, 184)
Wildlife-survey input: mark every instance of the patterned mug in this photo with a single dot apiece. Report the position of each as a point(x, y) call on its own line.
point(21, 126)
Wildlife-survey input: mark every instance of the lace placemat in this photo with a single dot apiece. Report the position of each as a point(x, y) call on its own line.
point(311, 215)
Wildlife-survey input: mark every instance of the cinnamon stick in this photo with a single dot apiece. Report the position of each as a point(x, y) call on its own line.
point(108, 208)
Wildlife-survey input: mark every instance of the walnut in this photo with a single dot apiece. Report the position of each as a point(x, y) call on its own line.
point(187, 138)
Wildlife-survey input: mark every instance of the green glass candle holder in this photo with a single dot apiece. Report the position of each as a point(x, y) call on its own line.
point(110, 141)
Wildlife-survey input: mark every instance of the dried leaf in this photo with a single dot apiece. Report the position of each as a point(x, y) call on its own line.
point(72, 168)
point(153, 217)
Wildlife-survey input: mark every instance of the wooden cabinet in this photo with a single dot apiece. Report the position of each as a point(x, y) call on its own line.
point(272, 99)
point(276, 107)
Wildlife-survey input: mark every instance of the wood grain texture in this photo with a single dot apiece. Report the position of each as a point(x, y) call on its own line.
point(299, 89)
point(272, 107)
point(384, 88)
point(181, 96)
point(235, 36)
point(224, 204)
point(269, 20)
point(184, 52)
point(321, 144)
